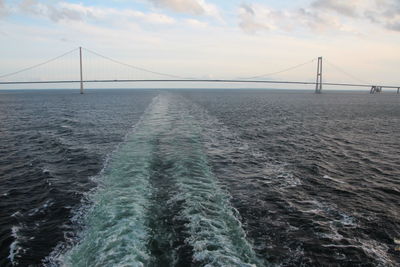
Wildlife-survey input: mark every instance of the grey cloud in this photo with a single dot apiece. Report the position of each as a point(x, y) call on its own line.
point(64, 11)
point(344, 16)
point(52, 12)
point(248, 21)
point(193, 7)
point(343, 7)
point(254, 18)
point(248, 9)
point(385, 13)
point(372, 16)
point(394, 26)
point(311, 19)
point(3, 9)
point(391, 9)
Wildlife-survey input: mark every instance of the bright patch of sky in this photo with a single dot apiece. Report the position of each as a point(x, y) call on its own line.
point(211, 39)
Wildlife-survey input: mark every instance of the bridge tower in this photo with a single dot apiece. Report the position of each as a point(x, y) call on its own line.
point(318, 84)
point(80, 68)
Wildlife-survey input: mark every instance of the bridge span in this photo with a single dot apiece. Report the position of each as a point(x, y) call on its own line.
point(374, 88)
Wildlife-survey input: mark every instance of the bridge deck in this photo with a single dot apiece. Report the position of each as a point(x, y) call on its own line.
point(199, 80)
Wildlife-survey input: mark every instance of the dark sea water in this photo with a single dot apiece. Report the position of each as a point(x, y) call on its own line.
point(199, 178)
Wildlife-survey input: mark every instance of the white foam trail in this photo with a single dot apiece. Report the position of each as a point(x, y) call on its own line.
point(215, 233)
point(116, 231)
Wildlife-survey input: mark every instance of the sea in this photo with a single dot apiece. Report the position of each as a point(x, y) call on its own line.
point(199, 177)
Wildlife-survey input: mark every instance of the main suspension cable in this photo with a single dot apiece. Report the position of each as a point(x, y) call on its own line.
point(37, 65)
point(134, 67)
point(278, 72)
point(345, 72)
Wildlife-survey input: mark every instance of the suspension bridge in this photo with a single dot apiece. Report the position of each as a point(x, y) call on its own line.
point(37, 77)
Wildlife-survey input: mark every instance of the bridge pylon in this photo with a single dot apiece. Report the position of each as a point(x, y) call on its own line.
point(318, 84)
point(80, 68)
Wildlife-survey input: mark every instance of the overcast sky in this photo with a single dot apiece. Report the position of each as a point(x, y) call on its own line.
point(216, 39)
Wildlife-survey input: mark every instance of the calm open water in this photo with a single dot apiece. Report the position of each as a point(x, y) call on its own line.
point(199, 177)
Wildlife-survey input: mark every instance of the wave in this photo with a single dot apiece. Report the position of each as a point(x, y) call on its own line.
point(15, 247)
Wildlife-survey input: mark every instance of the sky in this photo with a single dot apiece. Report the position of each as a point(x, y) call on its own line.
point(358, 39)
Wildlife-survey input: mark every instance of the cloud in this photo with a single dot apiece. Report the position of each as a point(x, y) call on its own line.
point(343, 7)
point(385, 13)
point(322, 16)
point(249, 21)
point(55, 13)
point(394, 26)
point(3, 9)
point(255, 18)
point(64, 11)
point(314, 20)
point(191, 7)
point(182, 6)
point(391, 8)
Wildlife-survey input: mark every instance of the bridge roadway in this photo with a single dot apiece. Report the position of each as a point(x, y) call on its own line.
point(199, 80)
